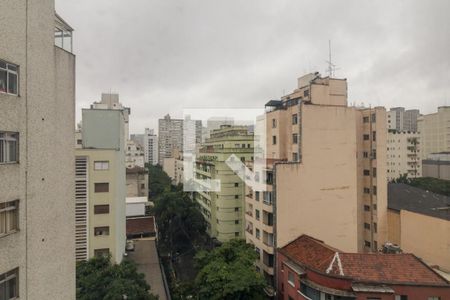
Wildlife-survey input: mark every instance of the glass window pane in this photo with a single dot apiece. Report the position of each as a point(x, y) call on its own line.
point(2, 151)
point(12, 67)
point(58, 38)
point(12, 151)
point(2, 222)
point(12, 83)
point(3, 81)
point(11, 288)
point(2, 290)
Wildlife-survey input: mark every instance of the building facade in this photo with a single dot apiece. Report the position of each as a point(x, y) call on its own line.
point(310, 269)
point(434, 132)
point(223, 210)
point(137, 182)
point(403, 155)
point(437, 165)
point(319, 152)
point(171, 135)
point(37, 95)
point(134, 155)
point(174, 167)
point(150, 147)
point(400, 119)
point(101, 185)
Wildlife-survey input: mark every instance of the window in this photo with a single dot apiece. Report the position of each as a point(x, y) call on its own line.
point(374, 118)
point(236, 221)
point(101, 252)
point(236, 184)
point(401, 297)
point(9, 147)
point(294, 119)
point(375, 227)
point(103, 230)
point(365, 119)
point(295, 156)
point(142, 185)
point(9, 81)
point(365, 154)
point(101, 165)
point(9, 217)
point(366, 207)
point(274, 123)
point(101, 209)
point(236, 234)
point(367, 226)
point(257, 214)
point(236, 196)
point(366, 137)
point(9, 285)
point(291, 279)
point(374, 172)
point(305, 93)
point(367, 244)
point(257, 195)
point(236, 209)
point(374, 189)
point(295, 138)
point(374, 136)
point(102, 187)
point(257, 233)
point(274, 140)
point(366, 172)
point(366, 190)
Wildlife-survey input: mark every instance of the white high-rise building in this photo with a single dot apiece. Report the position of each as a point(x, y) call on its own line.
point(400, 119)
point(150, 147)
point(403, 155)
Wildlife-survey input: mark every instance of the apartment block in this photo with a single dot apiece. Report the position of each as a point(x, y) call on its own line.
point(150, 147)
point(324, 163)
point(403, 154)
point(134, 155)
point(37, 96)
point(419, 222)
point(137, 182)
point(434, 132)
point(223, 210)
point(174, 167)
point(171, 135)
point(101, 185)
point(401, 119)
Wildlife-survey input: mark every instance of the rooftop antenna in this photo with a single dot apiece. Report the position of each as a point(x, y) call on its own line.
point(331, 67)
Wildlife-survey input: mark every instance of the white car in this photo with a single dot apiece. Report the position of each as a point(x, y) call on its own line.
point(129, 246)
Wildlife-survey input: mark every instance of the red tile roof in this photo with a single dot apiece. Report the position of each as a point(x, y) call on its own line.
point(361, 267)
point(140, 225)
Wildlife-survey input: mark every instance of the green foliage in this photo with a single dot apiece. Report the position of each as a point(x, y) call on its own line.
point(228, 272)
point(180, 222)
point(435, 185)
point(158, 181)
point(98, 278)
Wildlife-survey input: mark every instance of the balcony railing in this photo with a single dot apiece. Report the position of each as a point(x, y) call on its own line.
point(250, 213)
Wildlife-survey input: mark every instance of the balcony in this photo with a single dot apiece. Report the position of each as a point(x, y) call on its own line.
point(249, 213)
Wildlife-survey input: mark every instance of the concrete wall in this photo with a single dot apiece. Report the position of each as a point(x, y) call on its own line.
point(433, 245)
point(434, 131)
point(394, 224)
point(436, 169)
point(318, 196)
point(43, 180)
point(103, 129)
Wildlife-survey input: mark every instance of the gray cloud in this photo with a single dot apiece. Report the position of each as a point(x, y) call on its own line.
point(162, 56)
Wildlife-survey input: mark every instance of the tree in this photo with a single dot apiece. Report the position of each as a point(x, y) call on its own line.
point(98, 278)
point(228, 272)
point(158, 181)
point(180, 223)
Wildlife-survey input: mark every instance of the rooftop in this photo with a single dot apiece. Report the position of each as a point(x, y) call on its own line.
point(406, 197)
point(376, 268)
point(140, 225)
point(136, 170)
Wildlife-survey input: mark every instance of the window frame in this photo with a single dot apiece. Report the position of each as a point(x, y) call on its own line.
point(6, 137)
point(102, 164)
point(6, 277)
point(7, 207)
point(96, 184)
point(102, 231)
point(8, 71)
point(99, 209)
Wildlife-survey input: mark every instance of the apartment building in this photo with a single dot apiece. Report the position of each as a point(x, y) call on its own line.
point(137, 182)
point(324, 162)
point(37, 95)
point(419, 222)
point(403, 154)
point(134, 155)
point(100, 185)
point(434, 132)
point(223, 210)
point(312, 269)
point(401, 119)
point(174, 167)
point(171, 135)
point(149, 142)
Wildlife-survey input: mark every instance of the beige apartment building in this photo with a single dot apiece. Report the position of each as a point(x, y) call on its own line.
point(434, 132)
point(325, 173)
point(37, 95)
point(101, 185)
point(223, 210)
point(403, 154)
point(137, 182)
point(419, 222)
point(174, 167)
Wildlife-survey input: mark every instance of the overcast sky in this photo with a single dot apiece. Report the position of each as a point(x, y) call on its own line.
point(163, 56)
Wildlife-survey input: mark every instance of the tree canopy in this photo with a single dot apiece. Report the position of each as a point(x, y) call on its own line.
point(159, 181)
point(98, 278)
point(228, 272)
point(435, 185)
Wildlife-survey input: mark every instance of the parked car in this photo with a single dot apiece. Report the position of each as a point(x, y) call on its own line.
point(129, 246)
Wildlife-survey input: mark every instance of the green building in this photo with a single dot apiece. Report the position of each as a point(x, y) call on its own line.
point(224, 209)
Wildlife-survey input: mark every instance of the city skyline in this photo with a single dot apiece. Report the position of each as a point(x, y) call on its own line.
point(247, 54)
